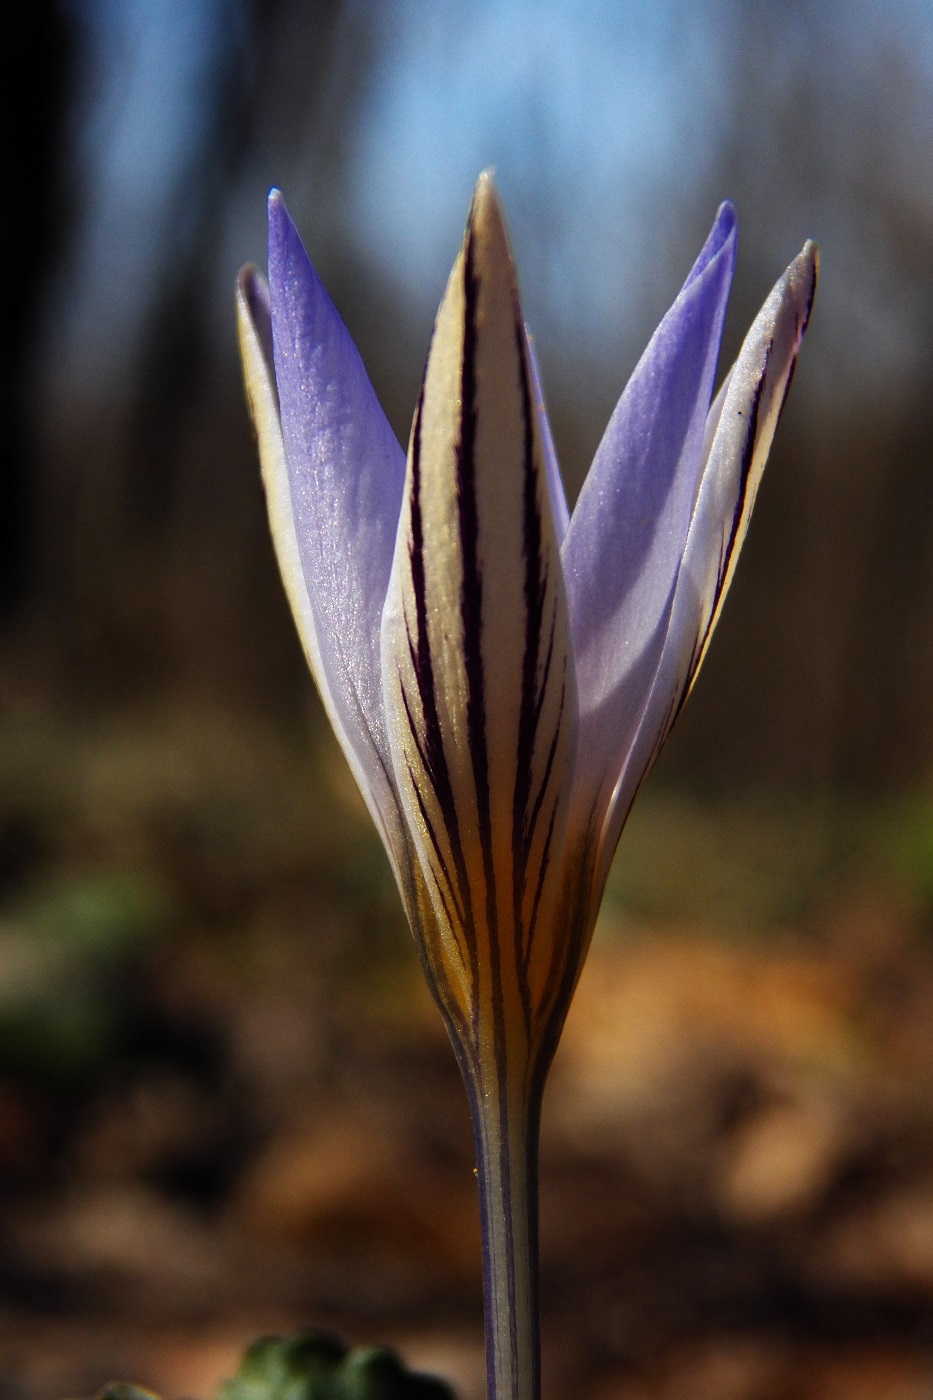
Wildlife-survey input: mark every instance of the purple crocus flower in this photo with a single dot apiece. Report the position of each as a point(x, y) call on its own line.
point(500, 674)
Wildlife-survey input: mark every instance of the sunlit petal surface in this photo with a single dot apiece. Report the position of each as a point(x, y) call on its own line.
point(254, 324)
point(346, 471)
point(741, 427)
point(478, 672)
point(626, 538)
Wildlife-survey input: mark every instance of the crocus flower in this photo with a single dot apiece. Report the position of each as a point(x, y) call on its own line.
point(502, 674)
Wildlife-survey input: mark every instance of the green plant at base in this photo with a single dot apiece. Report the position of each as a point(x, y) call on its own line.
point(313, 1366)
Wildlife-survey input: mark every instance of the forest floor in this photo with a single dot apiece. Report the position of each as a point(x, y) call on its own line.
point(228, 1108)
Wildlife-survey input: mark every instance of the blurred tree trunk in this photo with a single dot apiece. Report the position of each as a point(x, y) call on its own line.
point(822, 671)
point(157, 565)
point(36, 44)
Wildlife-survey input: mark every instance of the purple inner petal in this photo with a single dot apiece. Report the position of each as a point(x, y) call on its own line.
point(551, 465)
point(627, 534)
point(347, 472)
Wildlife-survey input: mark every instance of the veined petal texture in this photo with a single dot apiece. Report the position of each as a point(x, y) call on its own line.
point(478, 672)
point(738, 448)
point(741, 427)
point(254, 325)
point(627, 534)
point(346, 473)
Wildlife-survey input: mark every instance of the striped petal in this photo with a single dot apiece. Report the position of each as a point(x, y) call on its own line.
point(751, 405)
point(741, 427)
point(334, 474)
point(627, 534)
point(477, 668)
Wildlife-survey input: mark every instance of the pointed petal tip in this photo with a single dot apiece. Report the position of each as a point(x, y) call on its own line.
point(281, 225)
point(800, 280)
point(277, 214)
point(725, 229)
point(278, 211)
point(721, 243)
point(486, 240)
point(808, 261)
point(253, 294)
point(245, 279)
point(486, 221)
point(485, 187)
point(810, 257)
point(726, 217)
point(286, 247)
point(249, 279)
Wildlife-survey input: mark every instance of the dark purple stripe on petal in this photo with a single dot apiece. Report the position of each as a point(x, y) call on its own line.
point(433, 753)
point(539, 889)
point(532, 698)
point(531, 819)
point(546, 669)
point(471, 611)
point(471, 603)
point(471, 588)
point(428, 823)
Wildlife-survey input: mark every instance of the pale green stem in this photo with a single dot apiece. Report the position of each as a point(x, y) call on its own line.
point(507, 1163)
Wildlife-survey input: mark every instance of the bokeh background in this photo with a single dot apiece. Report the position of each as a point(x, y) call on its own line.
point(226, 1105)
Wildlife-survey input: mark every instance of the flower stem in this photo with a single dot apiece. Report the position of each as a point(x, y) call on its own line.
point(506, 1139)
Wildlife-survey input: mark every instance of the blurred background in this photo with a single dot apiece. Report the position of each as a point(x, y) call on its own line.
point(226, 1103)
